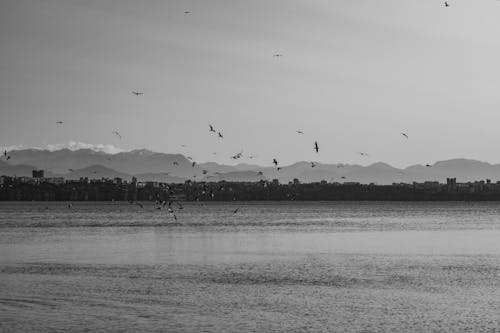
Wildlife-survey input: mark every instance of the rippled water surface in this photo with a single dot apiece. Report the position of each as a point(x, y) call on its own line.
point(269, 267)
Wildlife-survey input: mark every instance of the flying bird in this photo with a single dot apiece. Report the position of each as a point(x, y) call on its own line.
point(275, 162)
point(117, 134)
point(428, 165)
point(187, 12)
point(238, 155)
point(250, 157)
point(236, 210)
point(190, 158)
point(175, 163)
point(316, 147)
point(204, 172)
point(5, 153)
point(260, 173)
point(300, 132)
point(137, 93)
point(8, 158)
point(59, 122)
point(278, 168)
point(277, 55)
point(313, 164)
point(446, 4)
point(211, 128)
point(193, 164)
point(220, 135)
point(404, 134)
point(363, 154)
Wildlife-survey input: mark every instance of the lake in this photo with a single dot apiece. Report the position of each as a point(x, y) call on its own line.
point(269, 267)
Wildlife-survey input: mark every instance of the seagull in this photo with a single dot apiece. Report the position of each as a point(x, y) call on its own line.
point(183, 146)
point(175, 163)
point(316, 147)
point(8, 158)
point(236, 210)
point(300, 132)
point(220, 135)
point(428, 165)
point(193, 164)
point(250, 157)
point(137, 93)
point(277, 55)
point(260, 173)
point(187, 12)
point(404, 134)
point(343, 177)
point(71, 170)
point(59, 122)
point(278, 168)
point(190, 158)
point(275, 162)
point(211, 128)
point(446, 4)
point(313, 164)
point(363, 154)
point(117, 134)
point(238, 155)
point(5, 153)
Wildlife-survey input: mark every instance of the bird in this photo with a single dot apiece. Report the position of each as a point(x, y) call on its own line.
point(175, 163)
point(250, 157)
point(363, 154)
point(183, 146)
point(238, 155)
point(117, 134)
point(193, 164)
point(8, 158)
point(316, 147)
point(277, 55)
point(300, 132)
point(428, 165)
point(236, 210)
point(278, 168)
point(59, 122)
point(220, 135)
point(204, 172)
point(275, 162)
point(313, 164)
point(404, 134)
point(190, 158)
point(71, 170)
point(260, 173)
point(446, 4)
point(211, 128)
point(5, 153)
point(343, 177)
point(187, 12)
point(137, 93)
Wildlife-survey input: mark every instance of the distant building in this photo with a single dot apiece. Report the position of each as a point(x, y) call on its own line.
point(37, 173)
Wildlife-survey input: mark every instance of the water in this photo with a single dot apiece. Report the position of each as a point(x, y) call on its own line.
point(271, 267)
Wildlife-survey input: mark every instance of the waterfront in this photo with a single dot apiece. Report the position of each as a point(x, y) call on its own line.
point(282, 267)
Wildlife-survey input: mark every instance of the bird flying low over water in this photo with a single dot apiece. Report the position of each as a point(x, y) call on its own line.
point(278, 168)
point(404, 134)
point(275, 162)
point(117, 134)
point(220, 135)
point(316, 147)
point(211, 128)
point(137, 93)
point(236, 210)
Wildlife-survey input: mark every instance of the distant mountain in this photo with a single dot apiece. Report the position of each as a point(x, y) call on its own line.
point(150, 166)
point(97, 172)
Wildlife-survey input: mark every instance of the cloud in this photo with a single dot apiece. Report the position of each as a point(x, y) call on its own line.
point(72, 145)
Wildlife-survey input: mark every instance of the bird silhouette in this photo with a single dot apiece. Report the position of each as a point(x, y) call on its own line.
point(363, 154)
point(428, 165)
point(275, 162)
point(250, 157)
point(277, 55)
point(187, 12)
point(404, 134)
point(446, 4)
point(300, 132)
point(260, 173)
point(117, 134)
point(5, 153)
point(211, 128)
point(59, 122)
point(193, 164)
point(175, 163)
point(316, 147)
point(236, 210)
point(8, 158)
point(204, 172)
point(220, 135)
point(238, 155)
point(137, 93)
point(278, 168)
point(313, 164)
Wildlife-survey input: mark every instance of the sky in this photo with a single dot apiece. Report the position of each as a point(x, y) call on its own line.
point(353, 76)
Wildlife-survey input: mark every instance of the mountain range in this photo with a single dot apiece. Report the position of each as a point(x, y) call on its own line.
point(146, 165)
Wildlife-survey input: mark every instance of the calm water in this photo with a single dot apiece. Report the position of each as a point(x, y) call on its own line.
point(271, 267)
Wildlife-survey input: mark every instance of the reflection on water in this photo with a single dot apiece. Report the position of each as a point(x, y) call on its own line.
point(282, 267)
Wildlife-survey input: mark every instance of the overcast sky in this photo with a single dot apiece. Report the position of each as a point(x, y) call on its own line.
point(353, 76)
